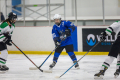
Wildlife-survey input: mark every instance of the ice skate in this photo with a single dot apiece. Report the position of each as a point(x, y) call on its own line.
point(3, 68)
point(76, 65)
point(100, 74)
point(52, 65)
point(116, 74)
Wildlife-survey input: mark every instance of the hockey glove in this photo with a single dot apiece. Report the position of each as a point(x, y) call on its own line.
point(57, 43)
point(7, 39)
point(103, 37)
point(7, 35)
point(8, 42)
point(67, 32)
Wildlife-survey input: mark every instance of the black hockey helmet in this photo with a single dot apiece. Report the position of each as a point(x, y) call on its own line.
point(12, 16)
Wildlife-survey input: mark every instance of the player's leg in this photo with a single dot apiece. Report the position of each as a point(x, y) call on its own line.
point(3, 57)
point(70, 51)
point(111, 56)
point(104, 67)
point(116, 74)
point(56, 56)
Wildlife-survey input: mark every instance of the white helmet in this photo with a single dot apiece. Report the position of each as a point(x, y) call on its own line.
point(57, 16)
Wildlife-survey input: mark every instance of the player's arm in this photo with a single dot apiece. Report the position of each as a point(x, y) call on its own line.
point(5, 37)
point(2, 29)
point(70, 28)
point(2, 37)
point(112, 28)
point(55, 36)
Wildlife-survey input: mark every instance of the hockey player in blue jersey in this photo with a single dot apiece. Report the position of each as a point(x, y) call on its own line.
point(60, 30)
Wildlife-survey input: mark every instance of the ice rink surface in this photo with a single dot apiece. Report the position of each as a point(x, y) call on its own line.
point(89, 65)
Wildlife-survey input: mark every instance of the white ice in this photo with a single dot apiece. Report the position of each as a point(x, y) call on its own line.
point(89, 65)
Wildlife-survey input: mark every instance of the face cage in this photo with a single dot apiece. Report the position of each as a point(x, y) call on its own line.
point(12, 20)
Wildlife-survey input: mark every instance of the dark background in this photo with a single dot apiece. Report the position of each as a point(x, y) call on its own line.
point(101, 47)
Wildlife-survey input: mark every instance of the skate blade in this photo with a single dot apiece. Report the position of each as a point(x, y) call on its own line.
point(3, 71)
point(77, 67)
point(50, 68)
point(116, 76)
point(96, 77)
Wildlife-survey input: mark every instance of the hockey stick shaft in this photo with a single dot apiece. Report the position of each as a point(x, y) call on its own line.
point(49, 55)
point(26, 55)
point(79, 59)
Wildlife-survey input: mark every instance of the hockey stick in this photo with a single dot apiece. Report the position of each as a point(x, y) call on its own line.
point(30, 59)
point(34, 68)
point(78, 61)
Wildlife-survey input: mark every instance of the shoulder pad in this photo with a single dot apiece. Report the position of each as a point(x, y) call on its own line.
point(3, 25)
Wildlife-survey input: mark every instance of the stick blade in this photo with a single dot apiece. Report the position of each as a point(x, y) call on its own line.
point(47, 71)
point(33, 68)
point(57, 77)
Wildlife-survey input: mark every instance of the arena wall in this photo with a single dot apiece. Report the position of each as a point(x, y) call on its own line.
point(38, 40)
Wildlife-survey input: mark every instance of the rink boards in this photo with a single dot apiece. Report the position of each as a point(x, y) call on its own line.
point(38, 40)
point(63, 53)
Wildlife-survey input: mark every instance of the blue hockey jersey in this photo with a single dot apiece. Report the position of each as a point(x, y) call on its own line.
point(58, 31)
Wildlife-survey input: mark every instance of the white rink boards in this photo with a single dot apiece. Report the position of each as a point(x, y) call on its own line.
point(89, 65)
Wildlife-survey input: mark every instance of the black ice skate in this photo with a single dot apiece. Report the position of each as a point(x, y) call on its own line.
point(100, 74)
point(52, 65)
point(116, 74)
point(76, 65)
point(3, 68)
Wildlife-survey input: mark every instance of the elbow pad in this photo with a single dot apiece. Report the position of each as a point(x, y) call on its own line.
point(109, 30)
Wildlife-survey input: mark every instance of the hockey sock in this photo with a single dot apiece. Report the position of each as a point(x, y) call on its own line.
point(118, 62)
point(72, 56)
point(3, 57)
point(56, 55)
point(107, 62)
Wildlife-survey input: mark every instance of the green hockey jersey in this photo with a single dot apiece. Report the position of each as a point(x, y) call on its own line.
point(5, 28)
